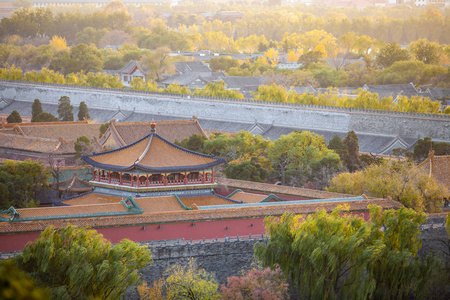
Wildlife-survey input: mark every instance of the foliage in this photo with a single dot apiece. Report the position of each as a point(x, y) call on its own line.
point(20, 182)
point(296, 157)
point(217, 89)
point(103, 128)
point(247, 170)
point(36, 110)
point(223, 63)
point(14, 117)
point(83, 112)
point(351, 154)
point(342, 256)
point(424, 146)
point(447, 110)
point(45, 117)
point(65, 109)
point(425, 51)
point(83, 146)
point(79, 263)
point(391, 53)
point(58, 43)
point(182, 282)
point(256, 285)
point(194, 142)
point(338, 146)
point(400, 180)
point(16, 285)
point(158, 62)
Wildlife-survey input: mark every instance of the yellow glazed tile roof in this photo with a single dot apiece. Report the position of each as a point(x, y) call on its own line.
point(204, 201)
point(248, 197)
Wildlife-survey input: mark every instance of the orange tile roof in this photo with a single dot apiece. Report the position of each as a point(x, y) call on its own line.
point(35, 144)
point(130, 132)
point(69, 131)
point(151, 153)
point(159, 204)
point(188, 216)
point(438, 167)
point(248, 197)
point(278, 189)
point(204, 200)
point(93, 198)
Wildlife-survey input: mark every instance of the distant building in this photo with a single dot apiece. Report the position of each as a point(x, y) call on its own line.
point(128, 73)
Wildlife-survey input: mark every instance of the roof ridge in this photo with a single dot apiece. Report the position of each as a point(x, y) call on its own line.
point(112, 127)
point(28, 137)
point(32, 124)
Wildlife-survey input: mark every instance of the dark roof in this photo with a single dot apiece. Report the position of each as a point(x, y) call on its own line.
point(392, 90)
point(237, 82)
point(128, 69)
point(154, 154)
point(192, 66)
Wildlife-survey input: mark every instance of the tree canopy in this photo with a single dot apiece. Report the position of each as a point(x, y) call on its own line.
point(14, 117)
point(78, 263)
point(83, 111)
point(36, 110)
point(342, 256)
point(400, 180)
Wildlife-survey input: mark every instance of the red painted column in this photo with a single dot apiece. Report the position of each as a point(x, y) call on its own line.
point(185, 178)
point(212, 176)
point(93, 174)
point(109, 177)
point(165, 179)
point(120, 178)
point(203, 177)
point(147, 183)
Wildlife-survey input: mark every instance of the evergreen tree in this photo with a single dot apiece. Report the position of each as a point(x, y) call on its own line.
point(337, 145)
point(14, 117)
point(45, 117)
point(83, 111)
point(65, 109)
point(351, 157)
point(36, 110)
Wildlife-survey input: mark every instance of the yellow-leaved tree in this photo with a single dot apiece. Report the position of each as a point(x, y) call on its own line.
point(58, 43)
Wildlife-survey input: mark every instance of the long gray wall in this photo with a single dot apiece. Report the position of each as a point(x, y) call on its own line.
point(298, 116)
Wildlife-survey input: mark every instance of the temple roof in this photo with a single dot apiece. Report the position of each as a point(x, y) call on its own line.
point(152, 153)
point(126, 133)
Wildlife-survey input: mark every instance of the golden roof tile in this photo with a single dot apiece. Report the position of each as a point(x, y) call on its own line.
point(248, 197)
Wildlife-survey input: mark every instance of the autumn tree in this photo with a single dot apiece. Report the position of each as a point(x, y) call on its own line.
point(256, 285)
point(390, 54)
point(83, 146)
point(16, 285)
point(83, 112)
point(36, 110)
point(158, 62)
point(85, 264)
point(343, 256)
point(14, 117)
point(426, 51)
point(65, 109)
point(182, 282)
point(401, 181)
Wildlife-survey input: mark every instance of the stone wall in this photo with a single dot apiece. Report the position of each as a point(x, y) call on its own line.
point(281, 114)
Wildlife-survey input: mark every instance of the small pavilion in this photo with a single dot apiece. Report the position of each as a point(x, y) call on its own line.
point(152, 164)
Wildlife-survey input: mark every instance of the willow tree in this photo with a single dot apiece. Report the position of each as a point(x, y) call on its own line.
point(78, 263)
point(337, 255)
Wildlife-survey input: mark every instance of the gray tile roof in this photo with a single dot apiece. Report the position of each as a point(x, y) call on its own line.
point(237, 82)
point(392, 90)
point(192, 66)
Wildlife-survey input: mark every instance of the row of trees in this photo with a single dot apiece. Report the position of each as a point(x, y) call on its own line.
point(304, 159)
point(273, 92)
point(146, 26)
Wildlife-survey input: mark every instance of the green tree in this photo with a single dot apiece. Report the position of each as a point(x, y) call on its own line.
point(14, 117)
point(401, 181)
point(247, 170)
point(85, 264)
point(351, 156)
point(83, 111)
point(83, 146)
point(391, 53)
point(337, 145)
point(45, 117)
point(194, 142)
point(20, 182)
point(36, 110)
point(342, 256)
point(424, 146)
point(294, 156)
point(65, 109)
point(16, 285)
point(158, 62)
point(223, 63)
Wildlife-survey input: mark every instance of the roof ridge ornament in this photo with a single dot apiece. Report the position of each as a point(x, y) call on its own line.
point(153, 127)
